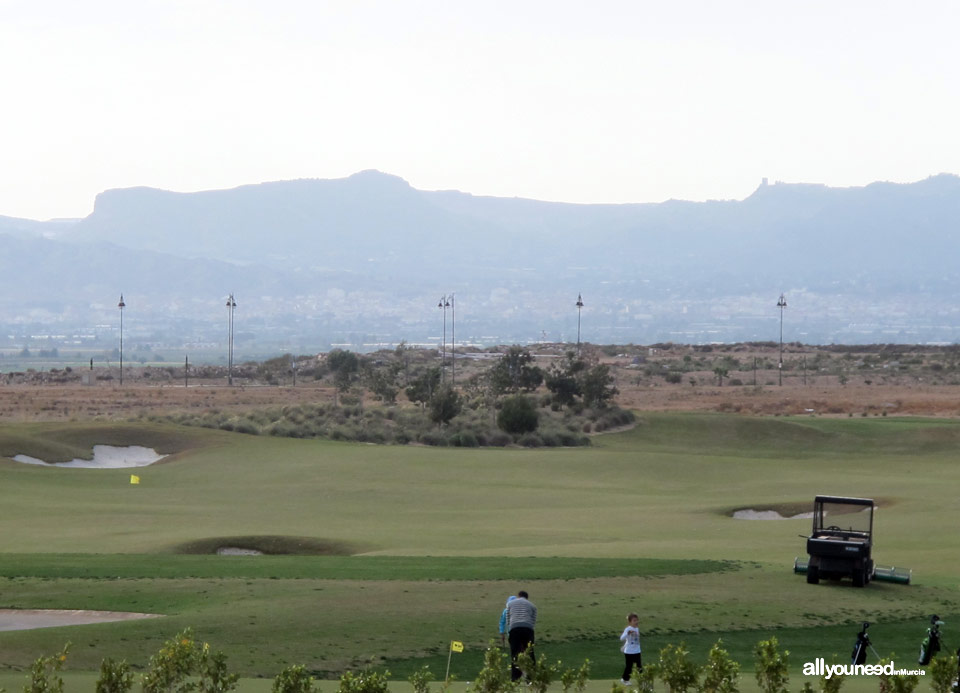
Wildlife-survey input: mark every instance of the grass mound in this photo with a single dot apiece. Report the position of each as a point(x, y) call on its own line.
point(269, 544)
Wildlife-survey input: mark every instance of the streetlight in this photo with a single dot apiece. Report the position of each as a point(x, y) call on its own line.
point(579, 308)
point(231, 305)
point(443, 305)
point(121, 306)
point(453, 342)
point(781, 304)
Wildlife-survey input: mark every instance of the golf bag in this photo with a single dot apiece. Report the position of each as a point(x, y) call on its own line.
point(931, 643)
point(859, 655)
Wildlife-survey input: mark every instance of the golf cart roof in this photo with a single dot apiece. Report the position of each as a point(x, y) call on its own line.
point(843, 499)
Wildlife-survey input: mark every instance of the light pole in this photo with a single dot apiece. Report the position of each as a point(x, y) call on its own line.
point(579, 308)
point(443, 305)
point(231, 305)
point(781, 304)
point(121, 306)
point(453, 342)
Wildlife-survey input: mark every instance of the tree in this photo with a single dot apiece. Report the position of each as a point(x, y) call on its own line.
point(344, 365)
point(721, 373)
point(382, 381)
point(515, 372)
point(597, 385)
point(563, 379)
point(518, 415)
point(444, 405)
point(423, 386)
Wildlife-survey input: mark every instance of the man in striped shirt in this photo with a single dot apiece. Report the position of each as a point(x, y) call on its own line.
point(521, 621)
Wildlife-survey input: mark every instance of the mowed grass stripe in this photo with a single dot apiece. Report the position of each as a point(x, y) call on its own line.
point(461, 568)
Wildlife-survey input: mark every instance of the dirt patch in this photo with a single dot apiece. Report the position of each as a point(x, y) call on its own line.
point(28, 619)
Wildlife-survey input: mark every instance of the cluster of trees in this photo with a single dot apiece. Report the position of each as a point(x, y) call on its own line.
point(506, 386)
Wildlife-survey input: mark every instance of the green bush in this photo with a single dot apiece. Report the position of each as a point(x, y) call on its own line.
point(772, 666)
point(518, 415)
point(364, 682)
point(676, 669)
point(294, 679)
point(45, 673)
point(115, 677)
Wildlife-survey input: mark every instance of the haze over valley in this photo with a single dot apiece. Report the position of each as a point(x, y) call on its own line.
point(362, 261)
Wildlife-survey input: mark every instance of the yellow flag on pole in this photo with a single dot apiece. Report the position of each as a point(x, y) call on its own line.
point(134, 479)
point(456, 646)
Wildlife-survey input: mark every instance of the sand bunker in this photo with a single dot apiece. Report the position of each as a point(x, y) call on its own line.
point(105, 457)
point(27, 619)
point(768, 515)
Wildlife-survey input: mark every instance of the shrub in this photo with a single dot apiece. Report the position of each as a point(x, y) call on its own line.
point(896, 683)
point(942, 673)
point(364, 682)
point(115, 677)
point(721, 674)
point(494, 677)
point(771, 666)
point(420, 679)
point(530, 440)
point(676, 669)
point(575, 680)
point(464, 439)
point(293, 679)
point(518, 415)
point(45, 673)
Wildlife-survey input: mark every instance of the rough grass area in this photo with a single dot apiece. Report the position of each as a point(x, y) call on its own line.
point(138, 566)
point(402, 425)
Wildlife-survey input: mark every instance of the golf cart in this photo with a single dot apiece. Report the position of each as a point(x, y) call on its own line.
point(841, 542)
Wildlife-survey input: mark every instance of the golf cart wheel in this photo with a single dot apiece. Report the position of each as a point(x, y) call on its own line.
point(813, 575)
point(859, 577)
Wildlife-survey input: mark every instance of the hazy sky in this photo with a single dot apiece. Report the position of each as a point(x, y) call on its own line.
point(591, 101)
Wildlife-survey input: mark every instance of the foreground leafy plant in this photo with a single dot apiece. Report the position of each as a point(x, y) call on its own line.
point(772, 666)
point(294, 679)
point(676, 669)
point(115, 677)
point(45, 673)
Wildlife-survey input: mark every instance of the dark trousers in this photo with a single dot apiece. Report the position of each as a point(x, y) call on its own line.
point(629, 661)
point(520, 640)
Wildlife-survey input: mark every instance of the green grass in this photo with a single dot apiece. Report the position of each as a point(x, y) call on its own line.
point(638, 521)
point(127, 566)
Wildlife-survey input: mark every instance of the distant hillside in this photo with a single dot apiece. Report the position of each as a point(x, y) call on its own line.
point(651, 271)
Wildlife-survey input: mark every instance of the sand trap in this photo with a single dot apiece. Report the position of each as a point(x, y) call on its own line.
point(105, 457)
point(235, 551)
point(27, 619)
point(768, 515)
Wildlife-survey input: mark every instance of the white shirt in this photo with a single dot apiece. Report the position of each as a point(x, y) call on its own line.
point(631, 640)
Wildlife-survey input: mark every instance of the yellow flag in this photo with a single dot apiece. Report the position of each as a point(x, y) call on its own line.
point(134, 479)
point(456, 646)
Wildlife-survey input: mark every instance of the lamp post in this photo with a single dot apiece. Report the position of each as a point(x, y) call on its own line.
point(453, 342)
point(781, 304)
point(121, 306)
point(231, 305)
point(579, 308)
point(443, 305)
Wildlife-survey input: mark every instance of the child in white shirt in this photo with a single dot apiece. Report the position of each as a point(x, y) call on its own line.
point(630, 647)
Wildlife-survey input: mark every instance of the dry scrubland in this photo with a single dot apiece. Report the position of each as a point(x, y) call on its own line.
point(871, 380)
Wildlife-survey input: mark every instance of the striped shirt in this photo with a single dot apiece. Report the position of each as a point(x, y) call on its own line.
point(521, 613)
